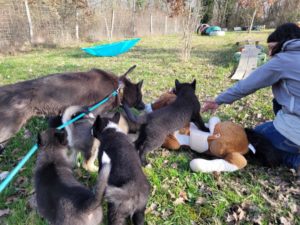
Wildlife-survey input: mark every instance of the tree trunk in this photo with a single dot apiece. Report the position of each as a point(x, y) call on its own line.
point(133, 20)
point(151, 24)
point(112, 24)
point(107, 29)
point(224, 14)
point(77, 26)
point(166, 24)
point(252, 20)
point(29, 21)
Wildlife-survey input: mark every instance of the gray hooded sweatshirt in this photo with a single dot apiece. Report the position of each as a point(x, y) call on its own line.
point(282, 72)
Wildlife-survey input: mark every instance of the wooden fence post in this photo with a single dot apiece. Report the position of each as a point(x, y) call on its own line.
point(77, 25)
point(166, 24)
point(151, 24)
point(112, 24)
point(133, 18)
point(107, 29)
point(29, 21)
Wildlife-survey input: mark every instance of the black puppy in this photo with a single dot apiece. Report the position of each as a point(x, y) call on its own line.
point(159, 123)
point(61, 199)
point(265, 153)
point(128, 189)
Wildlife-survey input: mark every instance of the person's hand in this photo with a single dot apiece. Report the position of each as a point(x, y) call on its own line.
point(209, 105)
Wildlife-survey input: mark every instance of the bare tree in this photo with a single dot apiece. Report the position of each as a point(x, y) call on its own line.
point(253, 8)
point(190, 11)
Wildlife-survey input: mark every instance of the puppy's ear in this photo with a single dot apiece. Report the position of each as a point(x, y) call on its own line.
point(116, 118)
point(39, 140)
point(61, 137)
point(98, 126)
point(123, 77)
point(140, 84)
point(177, 83)
point(54, 121)
point(193, 84)
point(177, 86)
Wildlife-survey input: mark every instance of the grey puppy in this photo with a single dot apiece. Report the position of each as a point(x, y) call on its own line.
point(52, 94)
point(155, 126)
point(61, 199)
point(128, 188)
point(80, 138)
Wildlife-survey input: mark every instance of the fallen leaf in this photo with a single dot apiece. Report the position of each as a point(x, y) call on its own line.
point(27, 134)
point(151, 208)
point(3, 175)
point(174, 165)
point(166, 213)
point(153, 190)
point(11, 199)
point(171, 194)
point(165, 153)
point(32, 203)
point(21, 181)
point(16, 151)
point(178, 201)
point(200, 201)
point(183, 195)
point(284, 221)
point(270, 201)
point(4, 212)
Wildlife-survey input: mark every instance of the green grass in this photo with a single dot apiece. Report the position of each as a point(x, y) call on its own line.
point(254, 194)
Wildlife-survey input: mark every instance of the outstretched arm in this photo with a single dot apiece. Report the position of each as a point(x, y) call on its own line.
point(264, 76)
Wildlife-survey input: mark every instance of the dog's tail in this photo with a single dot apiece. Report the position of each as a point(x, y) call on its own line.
point(73, 110)
point(142, 119)
point(129, 71)
point(266, 153)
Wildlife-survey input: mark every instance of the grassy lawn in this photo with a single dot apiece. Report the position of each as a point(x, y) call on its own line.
point(254, 195)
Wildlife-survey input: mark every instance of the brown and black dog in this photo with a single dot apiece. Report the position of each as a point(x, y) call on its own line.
point(52, 94)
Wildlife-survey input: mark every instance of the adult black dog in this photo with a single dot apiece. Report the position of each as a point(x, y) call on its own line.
point(52, 94)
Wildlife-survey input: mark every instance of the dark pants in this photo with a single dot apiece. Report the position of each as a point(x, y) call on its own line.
point(289, 150)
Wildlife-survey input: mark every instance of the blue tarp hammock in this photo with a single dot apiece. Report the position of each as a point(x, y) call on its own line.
point(112, 49)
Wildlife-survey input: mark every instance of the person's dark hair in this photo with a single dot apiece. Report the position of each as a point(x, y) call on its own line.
point(283, 33)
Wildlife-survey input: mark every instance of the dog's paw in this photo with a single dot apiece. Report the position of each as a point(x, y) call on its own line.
point(93, 168)
point(105, 158)
point(144, 162)
point(90, 167)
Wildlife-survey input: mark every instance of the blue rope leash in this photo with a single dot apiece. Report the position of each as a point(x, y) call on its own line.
point(15, 170)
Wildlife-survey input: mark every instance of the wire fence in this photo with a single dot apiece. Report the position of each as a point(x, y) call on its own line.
point(25, 24)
